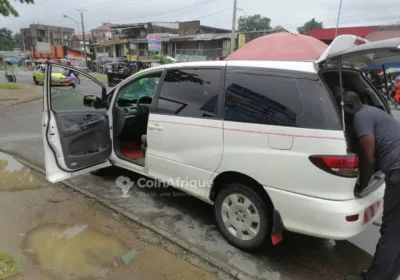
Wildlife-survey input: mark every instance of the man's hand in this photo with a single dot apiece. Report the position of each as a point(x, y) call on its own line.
point(367, 159)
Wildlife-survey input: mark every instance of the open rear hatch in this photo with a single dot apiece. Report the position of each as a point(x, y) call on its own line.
point(358, 52)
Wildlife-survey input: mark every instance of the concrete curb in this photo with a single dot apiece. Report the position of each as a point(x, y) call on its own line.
point(228, 269)
point(21, 102)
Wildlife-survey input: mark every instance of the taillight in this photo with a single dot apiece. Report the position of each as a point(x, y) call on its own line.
point(343, 166)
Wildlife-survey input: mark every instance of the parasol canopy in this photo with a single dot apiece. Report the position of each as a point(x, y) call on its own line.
point(390, 71)
point(11, 59)
point(280, 46)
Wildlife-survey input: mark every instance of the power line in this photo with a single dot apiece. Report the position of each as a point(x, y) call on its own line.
point(214, 13)
point(166, 12)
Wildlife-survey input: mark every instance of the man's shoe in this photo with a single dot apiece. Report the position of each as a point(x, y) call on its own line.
point(355, 278)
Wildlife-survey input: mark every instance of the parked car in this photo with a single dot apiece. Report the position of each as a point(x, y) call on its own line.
point(58, 76)
point(261, 141)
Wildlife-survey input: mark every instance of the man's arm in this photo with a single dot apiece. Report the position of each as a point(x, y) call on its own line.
point(364, 126)
point(367, 159)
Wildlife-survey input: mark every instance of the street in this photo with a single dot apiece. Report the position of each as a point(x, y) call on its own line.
point(191, 221)
point(57, 233)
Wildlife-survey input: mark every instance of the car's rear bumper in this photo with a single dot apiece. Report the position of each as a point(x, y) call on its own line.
point(327, 218)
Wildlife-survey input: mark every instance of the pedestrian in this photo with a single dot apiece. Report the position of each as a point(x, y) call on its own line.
point(378, 135)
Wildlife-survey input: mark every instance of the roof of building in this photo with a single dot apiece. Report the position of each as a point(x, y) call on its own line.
point(384, 32)
point(88, 37)
point(329, 33)
point(215, 28)
point(105, 27)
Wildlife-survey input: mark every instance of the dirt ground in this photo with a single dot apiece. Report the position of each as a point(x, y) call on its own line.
point(11, 97)
point(56, 233)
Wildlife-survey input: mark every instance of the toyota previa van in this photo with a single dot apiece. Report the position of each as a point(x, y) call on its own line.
point(269, 137)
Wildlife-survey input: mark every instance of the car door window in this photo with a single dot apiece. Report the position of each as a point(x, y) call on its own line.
point(278, 99)
point(66, 94)
point(190, 93)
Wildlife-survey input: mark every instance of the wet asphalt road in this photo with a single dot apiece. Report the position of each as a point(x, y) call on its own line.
point(298, 255)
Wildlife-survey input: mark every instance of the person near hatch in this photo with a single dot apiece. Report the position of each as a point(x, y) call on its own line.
point(378, 135)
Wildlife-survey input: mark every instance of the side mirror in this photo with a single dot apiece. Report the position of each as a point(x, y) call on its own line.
point(92, 101)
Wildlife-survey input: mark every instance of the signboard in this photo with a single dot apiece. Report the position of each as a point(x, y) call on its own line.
point(154, 42)
point(242, 40)
point(43, 47)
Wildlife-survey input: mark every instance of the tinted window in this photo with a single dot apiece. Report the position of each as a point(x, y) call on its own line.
point(190, 93)
point(278, 100)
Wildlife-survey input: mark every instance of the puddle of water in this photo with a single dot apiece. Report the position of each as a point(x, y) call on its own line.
point(16, 177)
point(74, 253)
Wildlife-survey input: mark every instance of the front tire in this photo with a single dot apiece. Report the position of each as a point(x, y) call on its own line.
point(35, 81)
point(243, 217)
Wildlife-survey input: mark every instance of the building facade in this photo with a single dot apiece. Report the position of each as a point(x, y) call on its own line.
point(55, 35)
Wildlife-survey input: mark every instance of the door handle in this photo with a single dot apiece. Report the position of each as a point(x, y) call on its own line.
point(155, 127)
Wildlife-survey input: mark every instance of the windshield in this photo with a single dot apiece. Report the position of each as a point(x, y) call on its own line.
point(142, 87)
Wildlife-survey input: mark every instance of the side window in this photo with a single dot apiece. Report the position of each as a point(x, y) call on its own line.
point(279, 100)
point(67, 92)
point(263, 99)
point(321, 112)
point(144, 86)
point(190, 93)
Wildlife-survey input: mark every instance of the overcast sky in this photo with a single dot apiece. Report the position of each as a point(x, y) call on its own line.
point(218, 13)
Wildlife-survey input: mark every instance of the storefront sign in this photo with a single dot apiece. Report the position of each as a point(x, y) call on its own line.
point(154, 42)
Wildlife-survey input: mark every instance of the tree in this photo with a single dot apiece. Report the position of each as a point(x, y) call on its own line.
point(6, 9)
point(17, 40)
point(253, 23)
point(311, 24)
point(6, 40)
point(278, 27)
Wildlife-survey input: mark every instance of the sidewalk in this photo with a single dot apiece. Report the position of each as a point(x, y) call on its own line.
point(53, 232)
point(14, 94)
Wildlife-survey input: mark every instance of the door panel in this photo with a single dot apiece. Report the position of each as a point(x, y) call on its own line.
point(84, 137)
point(76, 133)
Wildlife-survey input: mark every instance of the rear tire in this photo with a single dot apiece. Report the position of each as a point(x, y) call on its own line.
point(250, 213)
point(73, 85)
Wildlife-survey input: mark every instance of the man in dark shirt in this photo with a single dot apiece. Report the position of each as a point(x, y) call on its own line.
point(378, 134)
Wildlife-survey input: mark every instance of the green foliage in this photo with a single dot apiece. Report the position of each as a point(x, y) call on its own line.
point(254, 23)
point(6, 9)
point(8, 266)
point(8, 41)
point(311, 24)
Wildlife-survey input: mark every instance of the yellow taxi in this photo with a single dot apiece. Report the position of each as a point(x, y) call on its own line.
point(57, 76)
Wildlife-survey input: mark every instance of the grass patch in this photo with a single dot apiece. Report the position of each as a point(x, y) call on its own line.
point(10, 86)
point(9, 266)
point(2, 68)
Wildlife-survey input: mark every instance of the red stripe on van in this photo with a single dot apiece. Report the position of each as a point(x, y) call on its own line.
point(251, 131)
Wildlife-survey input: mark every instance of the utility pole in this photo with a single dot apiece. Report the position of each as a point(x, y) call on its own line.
point(233, 34)
point(83, 35)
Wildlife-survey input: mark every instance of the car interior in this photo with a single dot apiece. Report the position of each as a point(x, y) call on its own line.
point(353, 80)
point(131, 115)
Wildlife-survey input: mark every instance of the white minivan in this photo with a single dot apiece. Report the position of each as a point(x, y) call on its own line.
point(268, 137)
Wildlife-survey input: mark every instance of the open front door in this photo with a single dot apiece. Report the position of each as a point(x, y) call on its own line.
point(360, 52)
point(76, 130)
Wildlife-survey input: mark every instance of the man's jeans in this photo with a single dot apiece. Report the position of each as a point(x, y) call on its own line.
point(386, 262)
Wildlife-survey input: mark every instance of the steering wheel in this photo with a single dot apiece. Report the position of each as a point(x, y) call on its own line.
point(146, 100)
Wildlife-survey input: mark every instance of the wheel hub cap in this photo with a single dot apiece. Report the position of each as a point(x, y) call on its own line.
point(240, 217)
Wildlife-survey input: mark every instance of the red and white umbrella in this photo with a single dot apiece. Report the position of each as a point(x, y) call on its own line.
point(281, 46)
